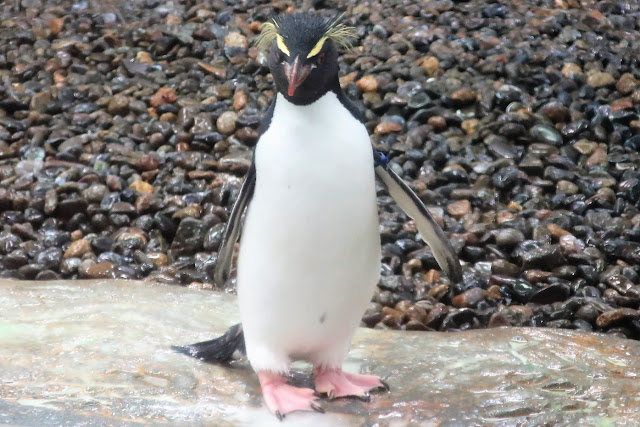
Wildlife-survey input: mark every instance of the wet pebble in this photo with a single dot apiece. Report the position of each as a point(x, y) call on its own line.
point(226, 123)
point(189, 236)
point(616, 317)
point(545, 134)
point(470, 298)
point(599, 79)
point(122, 152)
point(509, 237)
point(550, 294)
point(77, 249)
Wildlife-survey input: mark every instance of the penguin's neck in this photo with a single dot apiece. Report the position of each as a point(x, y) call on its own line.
point(318, 108)
point(324, 122)
point(324, 105)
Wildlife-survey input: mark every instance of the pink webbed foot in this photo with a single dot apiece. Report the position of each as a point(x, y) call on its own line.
point(282, 398)
point(337, 383)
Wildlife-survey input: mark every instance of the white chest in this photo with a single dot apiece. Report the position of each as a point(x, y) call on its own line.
point(319, 145)
point(310, 248)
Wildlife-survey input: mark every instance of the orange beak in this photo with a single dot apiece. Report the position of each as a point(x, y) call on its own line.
point(296, 73)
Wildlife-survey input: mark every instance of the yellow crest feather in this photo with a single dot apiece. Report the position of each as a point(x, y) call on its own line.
point(317, 48)
point(267, 35)
point(282, 45)
point(336, 31)
point(341, 33)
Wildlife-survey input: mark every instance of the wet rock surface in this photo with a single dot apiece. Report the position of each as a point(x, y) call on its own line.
point(98, 353)
point(126, 128)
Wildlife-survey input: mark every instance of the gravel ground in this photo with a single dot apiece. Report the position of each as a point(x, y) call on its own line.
point(126, 128)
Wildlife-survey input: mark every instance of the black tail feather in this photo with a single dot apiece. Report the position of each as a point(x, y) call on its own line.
point(217, 350)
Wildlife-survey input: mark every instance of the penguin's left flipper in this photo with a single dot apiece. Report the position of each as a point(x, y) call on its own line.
point(231, 233)
point(430, 231)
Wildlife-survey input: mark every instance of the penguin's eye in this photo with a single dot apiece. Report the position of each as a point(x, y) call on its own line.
point(279, 55)
point(322, 58)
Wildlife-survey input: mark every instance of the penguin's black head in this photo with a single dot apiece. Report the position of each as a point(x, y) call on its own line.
point(303, 57)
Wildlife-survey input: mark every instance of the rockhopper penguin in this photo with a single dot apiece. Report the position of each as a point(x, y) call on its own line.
point(309, 255)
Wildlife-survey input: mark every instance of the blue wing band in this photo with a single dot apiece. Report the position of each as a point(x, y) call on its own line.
point(379, 159)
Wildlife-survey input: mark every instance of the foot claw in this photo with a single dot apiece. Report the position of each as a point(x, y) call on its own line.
point(282, 398)
point(385, 386)
point(365, 397)
point(336, 383)
point(317, 408)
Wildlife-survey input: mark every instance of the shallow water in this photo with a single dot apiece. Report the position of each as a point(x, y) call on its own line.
point(98, 353)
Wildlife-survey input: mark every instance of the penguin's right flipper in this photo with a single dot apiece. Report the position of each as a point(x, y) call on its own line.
point(231, 233)
point(217, 350)
point(430, 231)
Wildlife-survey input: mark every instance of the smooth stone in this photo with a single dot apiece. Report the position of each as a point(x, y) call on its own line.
point(15, 260)
point(213, 237)
point(567, 187)
point(459, 209)
point(587, 313)
point(571, 69)
point(141, 186)
point(503, 267)
point(189, 236)
point(49, 258)
point(203, 124)
point(616, 317)
point(584, 146)
point(469, 298)
point(118, 106)
point(509, 237)
point(431, 65)
point(164, 95)
point(627, 84)
point(118, 360)
point(532, 165)
point(226, 123)
point(545, 134)
point(40, 100)
point(368, 84)
point(557, 112)
point(385, 128)
point(550, 294)
point(545, 258)
point(498, 320)
point(234, 39)
point(50, 201)
point(101, 270)
point(77, 249)
point(147, 202)
point(600, 79)
point(8, 242)
point(69, 207)
point(95, 193)
point(236, 162)
point(158, 258)
point(69, 266)
point(537, 276)
point(464, 96)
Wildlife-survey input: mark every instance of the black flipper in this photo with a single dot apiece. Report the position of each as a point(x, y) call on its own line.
point(430, 231)
point(222, 349)
point(231, 233)
point(217, 350)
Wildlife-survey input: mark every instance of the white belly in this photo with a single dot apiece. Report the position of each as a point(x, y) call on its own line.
point(310, 251)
